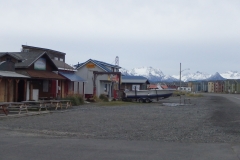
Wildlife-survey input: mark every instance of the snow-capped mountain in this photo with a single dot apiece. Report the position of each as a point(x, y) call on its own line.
point(148, 72)
point(157, 75)
point(215, 77)
point(231, 75)
point(151, 73)
point(193, 76)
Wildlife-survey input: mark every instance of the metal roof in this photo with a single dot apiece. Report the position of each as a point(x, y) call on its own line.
point(40, 74)
point(62, 65)
point(72, 76)
point(12, 74)
point(100, 64)
point(43, 49)
point(134, 79)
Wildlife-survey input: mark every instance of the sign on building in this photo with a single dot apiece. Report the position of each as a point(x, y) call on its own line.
point(90, 65)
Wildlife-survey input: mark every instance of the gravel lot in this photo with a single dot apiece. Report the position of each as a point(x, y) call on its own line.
point(208, 119)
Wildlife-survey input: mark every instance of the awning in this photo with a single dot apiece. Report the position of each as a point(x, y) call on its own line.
point(12, 74)
point(72, 76)
point(41, 74)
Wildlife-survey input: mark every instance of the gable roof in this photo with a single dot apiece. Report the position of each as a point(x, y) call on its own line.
point(15, 55)
point(29, 58)
point(100, 64)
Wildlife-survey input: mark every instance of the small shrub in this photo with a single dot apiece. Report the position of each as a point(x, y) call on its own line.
point(76, 99)
point(103, 97)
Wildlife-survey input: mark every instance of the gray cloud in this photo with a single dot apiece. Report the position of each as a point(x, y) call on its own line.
point(154, 33)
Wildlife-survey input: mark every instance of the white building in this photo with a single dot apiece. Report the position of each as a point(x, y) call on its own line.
point(104, 82)
point(186, 89)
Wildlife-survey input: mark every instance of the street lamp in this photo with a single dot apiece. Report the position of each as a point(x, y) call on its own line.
point(181, 75)
point(181, 80)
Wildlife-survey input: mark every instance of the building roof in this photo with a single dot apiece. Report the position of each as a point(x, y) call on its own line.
point(102, 65)
point(134, 79)
point(42, 49)
point(40, 74)
point(152, 86)
point(29, 58)
point(62, 65)
point(164, 86)
point(12, 74)
point(72, 76)
point(15, 55)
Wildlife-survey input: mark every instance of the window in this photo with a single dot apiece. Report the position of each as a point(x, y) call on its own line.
point(105, 87)
point(45, 86)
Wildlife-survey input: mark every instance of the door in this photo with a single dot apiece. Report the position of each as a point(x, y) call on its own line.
point(35, 94)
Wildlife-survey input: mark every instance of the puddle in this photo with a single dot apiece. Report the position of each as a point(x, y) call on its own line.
point(174, 104)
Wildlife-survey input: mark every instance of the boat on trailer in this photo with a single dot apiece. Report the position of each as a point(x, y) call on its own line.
point(148, 95)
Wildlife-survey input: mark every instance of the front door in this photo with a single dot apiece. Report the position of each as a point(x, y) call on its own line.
point(35, 94)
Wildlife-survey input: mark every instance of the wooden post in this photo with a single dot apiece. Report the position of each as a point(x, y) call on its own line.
point(83, 89)
point(72, 87)
point(61, 89)
point(25, 90)
point(61, 86)
point(8, 88)
point(31, 91)
point(16, 91)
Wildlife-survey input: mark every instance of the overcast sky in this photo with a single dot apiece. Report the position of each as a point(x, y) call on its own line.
point(204, 35)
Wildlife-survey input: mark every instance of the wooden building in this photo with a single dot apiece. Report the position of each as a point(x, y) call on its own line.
point(72, 78)
point(63, 88)
point(9, 82)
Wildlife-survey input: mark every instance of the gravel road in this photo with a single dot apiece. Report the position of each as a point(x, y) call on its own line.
point(208, 119)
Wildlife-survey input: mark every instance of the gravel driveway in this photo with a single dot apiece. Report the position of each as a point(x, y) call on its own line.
point(208, 119)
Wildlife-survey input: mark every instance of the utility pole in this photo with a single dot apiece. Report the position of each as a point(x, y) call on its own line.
point(180, 77)
point(180, 83)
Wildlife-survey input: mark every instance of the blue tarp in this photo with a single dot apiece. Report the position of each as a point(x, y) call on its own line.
point(72, 76)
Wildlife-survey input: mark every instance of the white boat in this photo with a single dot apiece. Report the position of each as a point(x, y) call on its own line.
point(148, 94)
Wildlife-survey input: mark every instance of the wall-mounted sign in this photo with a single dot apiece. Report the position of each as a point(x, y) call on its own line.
point(40, 64)
point(90, 65)
point(115, 78)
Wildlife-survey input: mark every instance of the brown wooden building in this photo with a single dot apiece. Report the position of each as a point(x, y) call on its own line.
point(40, 69)
point(9, 82)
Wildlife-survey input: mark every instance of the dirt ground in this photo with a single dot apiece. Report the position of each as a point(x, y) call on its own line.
point(207, 119)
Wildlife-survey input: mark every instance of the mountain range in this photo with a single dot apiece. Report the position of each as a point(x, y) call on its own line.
point(156, 75)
